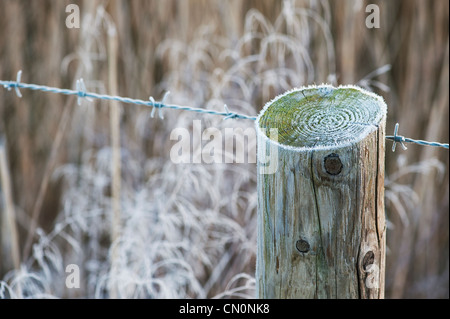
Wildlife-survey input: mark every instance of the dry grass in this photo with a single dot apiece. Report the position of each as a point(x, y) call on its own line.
point(189, 230)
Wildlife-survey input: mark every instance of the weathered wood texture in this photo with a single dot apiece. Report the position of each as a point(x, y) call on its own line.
point(321, 223)
point(9, 238)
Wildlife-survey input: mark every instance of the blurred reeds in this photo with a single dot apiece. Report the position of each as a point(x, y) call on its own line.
point(192, 226)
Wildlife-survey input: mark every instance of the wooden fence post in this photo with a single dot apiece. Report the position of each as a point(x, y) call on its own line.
point(321, 223)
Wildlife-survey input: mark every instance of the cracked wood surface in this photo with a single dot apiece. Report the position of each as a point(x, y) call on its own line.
point(321, 223)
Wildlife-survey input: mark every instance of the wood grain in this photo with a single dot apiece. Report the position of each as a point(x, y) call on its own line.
point(321, 226)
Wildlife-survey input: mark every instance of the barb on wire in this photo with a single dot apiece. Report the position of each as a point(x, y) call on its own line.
point(9, 85)
point(402, 140)
point(82, 93)
point(81, 88)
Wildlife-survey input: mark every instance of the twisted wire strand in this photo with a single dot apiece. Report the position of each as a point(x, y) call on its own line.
point(82, 93)
point(402, 140)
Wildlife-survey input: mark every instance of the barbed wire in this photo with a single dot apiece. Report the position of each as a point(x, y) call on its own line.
point(402, 140)
point(82, 93)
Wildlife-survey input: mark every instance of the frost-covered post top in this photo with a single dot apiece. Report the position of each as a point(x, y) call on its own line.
point(321, 117)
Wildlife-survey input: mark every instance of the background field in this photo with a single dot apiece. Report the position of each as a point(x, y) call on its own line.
point(188, 230)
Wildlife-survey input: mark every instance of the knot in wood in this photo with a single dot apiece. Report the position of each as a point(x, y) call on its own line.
point(368, 259)
point(333, 164)
point(302, 246)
